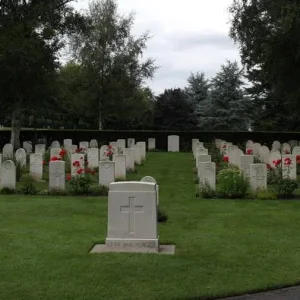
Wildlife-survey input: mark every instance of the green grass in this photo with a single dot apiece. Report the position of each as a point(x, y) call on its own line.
point(223, 247)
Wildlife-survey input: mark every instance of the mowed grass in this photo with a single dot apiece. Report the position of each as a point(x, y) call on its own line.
point(222, 247)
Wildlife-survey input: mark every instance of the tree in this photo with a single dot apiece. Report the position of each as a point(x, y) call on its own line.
point(267, 34)
point(174, 111)
point(111, 57)
point(30, 38)
point(228, 106)
point(197, 89)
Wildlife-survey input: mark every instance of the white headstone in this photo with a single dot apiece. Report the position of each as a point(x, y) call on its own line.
point(55, 152)
point(151, 144)
point(130, 143)
point(132, 216)
point(293, 143)
point(203, 158)
point(207, 174)
point(8, 152)
point(235, 157)
point(55, 144)
point(21, 157)
point(94, 144)
point(68, 142)
point(129, 153)
point(173, 143)
point(36, 165)
point(71, 149)
point(258, 177)
point(275, 156)
point(93, 158)
point(289, 167)
point(57, 175)
point(137, 155)
point(103, 153)
point(264, 154)
point(40, 149)
point(296, 150)
point(249, 144)
point(114, 146)
point(276, 145)
point(256, 148)
point(8, 175)
point(77, 163)
point(106, 172)
point(152, 180)
point(143, 149)
point(84, 146)
point(121, 145)
point(218, 143)
point(286, 148)
point(120, 166)
point(198, 152)
point(27, 146)
point(245, 161)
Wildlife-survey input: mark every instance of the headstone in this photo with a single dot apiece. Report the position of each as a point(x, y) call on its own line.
point(293, 143)
point(121, 145)
point(36, 165)
point(275, 156)
point(40, 149)
point(173, 143)
point(84, 146)
point(130, 143)
point(68, 142)
point(8, 152)
point(289, 167)
point(106, 172)
point(137, 155)
point(152, 180)
point(71, 149)
point(55, 152)
point(129, 153)
point(151, 144)
point(202, 158)
point(132, 216)
point(77, 162)
point(276, 145)
point(120, 166)
point(258, 177)
point(94, 144)
point(143, 149)
point(218, 143)
point(264, 154)
point(93, 158)
point(194, 144)
point(8, 175)
point(200, 151)
point(27, 146)
point(249, 144)
point(245, 161)
point(196, 147)
point(57, 175)
point(286, 148)
point(114, 146)
point(236, 154)
point(207, 174)
point(296, 150)
point(256, 148)
point(223, 148)
point(55, 144)
point(103, 153)
point(21, 157)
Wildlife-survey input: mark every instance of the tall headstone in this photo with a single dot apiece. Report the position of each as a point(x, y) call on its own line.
point(21, 157)
point(121, 145)
point(8, 175)
point(289, 167)
point(55, 144)
point(129, 153)
point(130, 143)
point(55, 152)
point(173, 143)
point(57, 175)
point(36, 165)
point(8, 152)
point(103, 153)
point(40, 149)
point(120, 166)
point(207, 174)
point(244, 163)
point(236, 154)
point(143, 149)
point(202, 158)
point(258, 177)
point(77, 163)
point(27, 145)
point(94, 144)
point(84, 146)
point(276, 145)
point(151, 144)
point(296, 150)
point(106, 172)
point(256, 148)
point(68, 142)
point(132, 216)
point(93, 158)
point(114, 146)
point(137, 155)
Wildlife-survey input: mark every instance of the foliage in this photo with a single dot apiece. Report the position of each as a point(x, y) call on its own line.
point(7, 191)
point(99, 190)
point(28, 185)
point(206, 192)
point(285, 188)
point(232, 184)
point(264, 194)
point(161, 216)
point(80, 184)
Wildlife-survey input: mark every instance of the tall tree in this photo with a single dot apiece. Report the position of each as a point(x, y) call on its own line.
point(30, 38)
point(111, 57)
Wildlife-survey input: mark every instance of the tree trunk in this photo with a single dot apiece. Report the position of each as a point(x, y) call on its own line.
point(15, 129)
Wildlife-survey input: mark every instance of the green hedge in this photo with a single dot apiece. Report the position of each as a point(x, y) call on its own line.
point(105, 136)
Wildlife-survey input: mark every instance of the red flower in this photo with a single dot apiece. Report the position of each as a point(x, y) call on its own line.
point(109, 153)
point(226, 159)
point(287, 161)
point(76, 163)
point(249, 151)
point(93, 172)
point(277, 162)
point(68, 177)
point(62, 153)
point(268, 166)
point(54, 158)
point(79, 171)
point(109, 147)
point(87, 171)
point(298, 159)
point(81, 157)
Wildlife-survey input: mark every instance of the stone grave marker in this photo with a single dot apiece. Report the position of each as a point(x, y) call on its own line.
point(151, 144)
point(235, 157)
point(8, 152)
point(103, 151)
point(289, 167)
point(256, 148)
point(120, 166)
point(114, 146)
point(36, 165)
point(131, 142)
point(57, 175)
point(27, 145)
point(275, 156)
point(77, 162)
point(71, 149)
point(55, 152)
point(276, 145)
point(84, 146)
point(137, 155)
point(143, 149)
point(296, 150)
point(202, 158)
point(258, 177)
point(68, 142)
point(293, 143)
point(129, 153)
point(152, 180)
point(249, 144)
point(121, 145)
point(207, 174)
point(55, 144)
point(94, 144)
point(245, 161)
point(40, 149)
point(8, 175)
point(218, 143)
point(173, 143)
point(106, 172)
point(286, 148)
point(93, 157)
point(21, 157)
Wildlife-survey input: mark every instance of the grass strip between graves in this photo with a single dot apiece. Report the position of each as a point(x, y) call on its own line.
point(223, 247)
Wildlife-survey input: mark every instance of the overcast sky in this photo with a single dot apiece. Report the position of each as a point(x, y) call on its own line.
point(187, 36)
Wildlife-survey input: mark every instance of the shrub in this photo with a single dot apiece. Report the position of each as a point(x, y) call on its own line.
point(196, 179)
point(263, 194)
point(119, 179)
point(161, 216)
point(131, 171)
point(206, 192)
point(285, 188)
point(57, 192)
point(81, 184)
point(7, 191)
point(274, 175)
point(28, 185)
point(99, 190)
point(232, 184)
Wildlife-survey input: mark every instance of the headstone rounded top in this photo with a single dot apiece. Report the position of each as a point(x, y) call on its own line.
point(8, 164)
point(132, 186)
point(148, 179)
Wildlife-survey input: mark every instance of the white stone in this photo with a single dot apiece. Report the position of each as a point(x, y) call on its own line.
point(55, 152)
point(0, 161)
point(152, 180)
point(236, 154)
point(8, 175)
point(256, 148)
point(120, 166)
point(21, 157)
point(77, 157)
point(249, 144)
point(129, 153)
point(245, 161)
point(151, 144)
point(137, 155)
point(55, 144)
point(57, 175)
point(94, 144)
point(296, 150)
point(27, 146)
point(132, 216)
point(68, 142)
point(202, 158)
point(198, 152)
point(258, 177)
point(218, 143)
point(93, 157)
point(286, 148)
point(143, 149)
point(207, 174)
point(289, 170)
point(103, 153)
point(223, 148)
point(173, 143)
point(121, 145)
point(40, 149)
point(8, 152)
point(114, 146)
point(36, 165)
point(106, 172)
point(130, 143)
point(293, 143)
point(264, 154)
point(274, 157)
point(71, 149)
point(195, 143)
point(276, 145)
point(84, 146)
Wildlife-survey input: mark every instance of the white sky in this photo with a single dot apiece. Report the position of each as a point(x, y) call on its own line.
point(187, 36)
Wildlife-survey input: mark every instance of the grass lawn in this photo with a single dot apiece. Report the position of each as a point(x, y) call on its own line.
point(222, 247)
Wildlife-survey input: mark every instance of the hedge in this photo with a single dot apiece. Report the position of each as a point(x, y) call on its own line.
point(105, 136)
